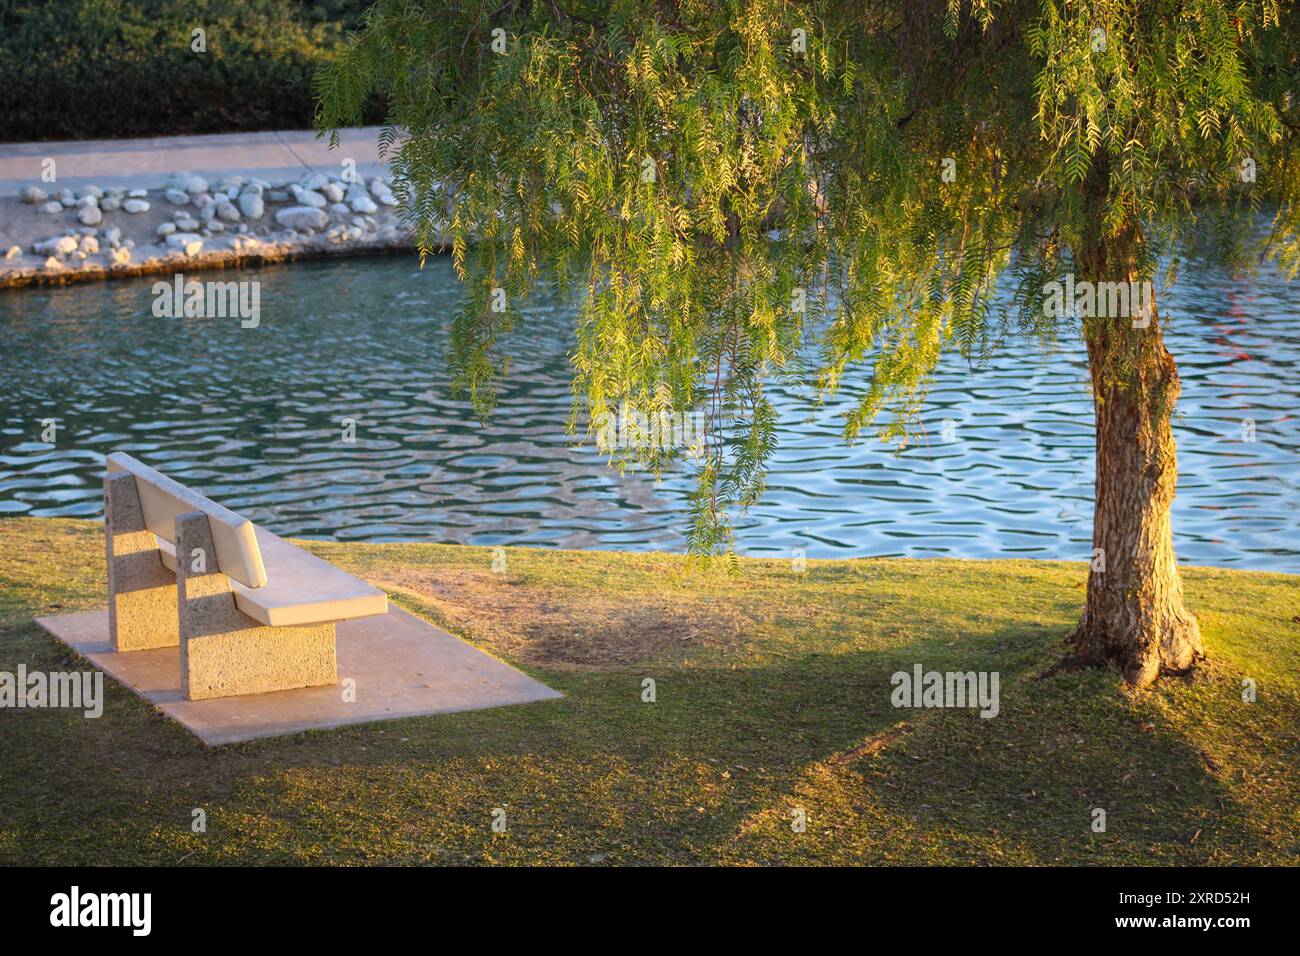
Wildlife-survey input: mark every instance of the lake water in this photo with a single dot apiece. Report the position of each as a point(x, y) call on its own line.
point(251, 417)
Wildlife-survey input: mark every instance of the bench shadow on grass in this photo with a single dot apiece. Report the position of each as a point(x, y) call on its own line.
point(712, 771)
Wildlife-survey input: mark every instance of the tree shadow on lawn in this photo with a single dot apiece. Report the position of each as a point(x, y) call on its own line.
point(710, 772)
point(1023, 788)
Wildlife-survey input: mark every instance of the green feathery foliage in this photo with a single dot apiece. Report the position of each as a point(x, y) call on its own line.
point(736, 189)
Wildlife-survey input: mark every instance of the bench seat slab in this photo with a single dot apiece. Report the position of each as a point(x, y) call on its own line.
point(224, 652)
point(142, 609)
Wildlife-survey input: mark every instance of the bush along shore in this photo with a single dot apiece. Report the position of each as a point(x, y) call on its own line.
point(225, 64)
point(93, 233)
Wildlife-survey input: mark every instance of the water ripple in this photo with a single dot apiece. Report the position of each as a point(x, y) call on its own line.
point(253, 417)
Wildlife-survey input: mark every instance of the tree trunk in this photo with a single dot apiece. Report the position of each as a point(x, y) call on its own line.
point(1134, 617)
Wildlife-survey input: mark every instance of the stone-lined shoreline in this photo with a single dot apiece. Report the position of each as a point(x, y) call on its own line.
point(189, 224)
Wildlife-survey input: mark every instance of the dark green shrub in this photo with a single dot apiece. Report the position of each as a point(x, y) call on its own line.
point(87, 69)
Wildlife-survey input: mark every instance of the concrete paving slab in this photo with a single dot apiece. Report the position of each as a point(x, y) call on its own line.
point(403, 667)
point(148, 163)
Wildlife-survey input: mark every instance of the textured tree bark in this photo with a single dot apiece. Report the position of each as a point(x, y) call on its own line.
point(1134, 617)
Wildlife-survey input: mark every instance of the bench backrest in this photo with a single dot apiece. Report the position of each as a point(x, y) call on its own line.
point(163, 500)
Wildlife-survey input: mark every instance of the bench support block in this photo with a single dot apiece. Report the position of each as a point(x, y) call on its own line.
point(141, 590)
point(224, 652)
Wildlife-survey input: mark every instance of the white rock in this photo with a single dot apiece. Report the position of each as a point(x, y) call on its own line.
point(340, 209)
point(52, 208)
point(166, 228)
point(187, 224)
point(14, 252)
point(89, 245)
point(33, 195)
point(138, 194)
point(208, 212)
point(135, 205)
point(314, 181)
point(90, 215)
point(120, 257)
point(302, 217)
point(227, 212)
point(364, 205)
point(378, 186)
point(177, 197)
point(388, 199)
point(187, 242)
point(113, 235)
point(203, 199)
point(250, 204)
point(53, 264)
point(333, 192)
point(306, 197)
point(187, 182)
point(58, 246)
point(110, 204)
point(92, 191)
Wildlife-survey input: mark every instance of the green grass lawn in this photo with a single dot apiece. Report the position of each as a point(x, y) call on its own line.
point(773, 694)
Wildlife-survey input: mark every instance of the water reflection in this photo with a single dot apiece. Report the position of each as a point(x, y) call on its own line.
point(253, 416)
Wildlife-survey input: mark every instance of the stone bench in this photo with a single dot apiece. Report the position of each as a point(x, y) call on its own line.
point(250, 612)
